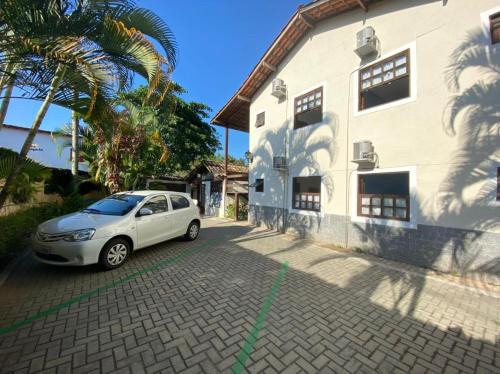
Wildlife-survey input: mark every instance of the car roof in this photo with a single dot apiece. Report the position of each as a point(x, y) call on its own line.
point(154, 192)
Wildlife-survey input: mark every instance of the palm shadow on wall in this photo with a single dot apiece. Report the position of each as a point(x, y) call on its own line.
point(307, 149)
point(472, 115)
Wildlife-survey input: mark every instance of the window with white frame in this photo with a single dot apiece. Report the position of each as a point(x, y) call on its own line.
point(307, 193)
point(384, 195)
point(385, 81)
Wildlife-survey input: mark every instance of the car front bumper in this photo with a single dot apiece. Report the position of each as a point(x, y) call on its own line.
point(68, 253)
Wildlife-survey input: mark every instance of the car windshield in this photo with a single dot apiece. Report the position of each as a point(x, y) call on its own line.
point(115, 205)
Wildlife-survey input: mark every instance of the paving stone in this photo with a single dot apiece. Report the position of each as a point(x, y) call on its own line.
point(334, 312)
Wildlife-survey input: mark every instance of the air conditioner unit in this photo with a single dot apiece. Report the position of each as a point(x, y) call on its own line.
point(364, 153)
point(278, 88)
point(366, 42)
point(279, 162)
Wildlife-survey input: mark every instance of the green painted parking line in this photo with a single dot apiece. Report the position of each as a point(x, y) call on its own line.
point(114, 283)
point(247, 349)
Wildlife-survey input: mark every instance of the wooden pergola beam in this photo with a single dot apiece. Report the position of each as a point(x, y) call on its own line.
point(306, 20)
point(244, 98)
point(362, 5)
point(268, 66)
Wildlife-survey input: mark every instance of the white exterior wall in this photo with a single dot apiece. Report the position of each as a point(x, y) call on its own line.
point(409, 136)
point(47, 152)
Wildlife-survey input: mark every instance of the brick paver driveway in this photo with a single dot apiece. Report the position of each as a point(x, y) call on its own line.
point(194, 306)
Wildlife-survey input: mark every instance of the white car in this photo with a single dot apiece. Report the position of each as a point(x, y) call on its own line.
point(107, 231)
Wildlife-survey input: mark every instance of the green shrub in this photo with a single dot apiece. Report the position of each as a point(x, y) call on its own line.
point(18, 226)
point(231, 211)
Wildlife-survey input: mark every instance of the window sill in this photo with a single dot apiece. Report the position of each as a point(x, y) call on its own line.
point(385, 222)
point(378, 108)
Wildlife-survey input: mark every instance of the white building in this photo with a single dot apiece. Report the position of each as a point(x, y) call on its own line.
point(44, 148)
point(417, 79)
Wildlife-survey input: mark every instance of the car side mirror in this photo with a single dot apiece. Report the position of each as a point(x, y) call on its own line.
point(145, 212)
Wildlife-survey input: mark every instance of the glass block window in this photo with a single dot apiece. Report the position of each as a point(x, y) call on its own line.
point(385, 81)
point(307, 193)
point(495, 28)
point(308, 108)
point(260, 120)
point(384, 196)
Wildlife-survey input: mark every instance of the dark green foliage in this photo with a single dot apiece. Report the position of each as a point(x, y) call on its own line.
point(16, 227)
point(231, 159)
point(23, 188)
point(184, 129)
point(60, 182)
point(87, 187)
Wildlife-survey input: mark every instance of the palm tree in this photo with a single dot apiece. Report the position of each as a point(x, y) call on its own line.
point(122, 147)
point(75, 53)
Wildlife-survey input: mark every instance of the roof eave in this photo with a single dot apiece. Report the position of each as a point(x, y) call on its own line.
point(303, 17)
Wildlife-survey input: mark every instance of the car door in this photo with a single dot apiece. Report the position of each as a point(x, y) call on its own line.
point(154, 228)
point(181, 213)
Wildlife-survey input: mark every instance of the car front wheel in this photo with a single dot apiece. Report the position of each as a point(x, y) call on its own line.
point(192, 231)
point(114, 253)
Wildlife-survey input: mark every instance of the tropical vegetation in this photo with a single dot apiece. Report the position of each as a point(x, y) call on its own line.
point(31, 173)
point(79, 54)
point(145, 140)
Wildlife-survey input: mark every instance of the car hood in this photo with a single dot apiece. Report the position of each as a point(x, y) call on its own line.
point(77, 221)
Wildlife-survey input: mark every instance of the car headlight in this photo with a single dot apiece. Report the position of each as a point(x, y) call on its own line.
point(79, 235)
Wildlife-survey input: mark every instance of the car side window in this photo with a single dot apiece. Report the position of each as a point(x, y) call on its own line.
point(157, 204)
point(179, 202)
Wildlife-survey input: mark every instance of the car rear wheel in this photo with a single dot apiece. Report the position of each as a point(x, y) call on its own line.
point(193, 231)
point(114, 253)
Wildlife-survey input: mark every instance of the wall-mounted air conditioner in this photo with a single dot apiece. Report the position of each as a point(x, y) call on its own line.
point(364, 154)
point(279, 163)
point(278, 88)
point(367, 43)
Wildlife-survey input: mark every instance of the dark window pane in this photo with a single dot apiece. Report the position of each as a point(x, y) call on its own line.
point(308, 108)
point(259, 185)
point(179, 202)
point(384, 196)
point(306, 193)
point(385, 184)
point(157, 204)
point(115, 205)
point(495, 28)
point(385, 81)
point(308, 118)
point(392, 91)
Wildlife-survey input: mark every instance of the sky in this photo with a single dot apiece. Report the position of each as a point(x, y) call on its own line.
point(220, 41)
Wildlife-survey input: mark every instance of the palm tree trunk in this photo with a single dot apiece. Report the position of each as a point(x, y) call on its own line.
point(75, 146)
point(5, 102)
point(54, 86)
point(8, 82)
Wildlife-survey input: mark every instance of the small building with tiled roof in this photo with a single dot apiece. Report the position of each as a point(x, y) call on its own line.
point(205, 183)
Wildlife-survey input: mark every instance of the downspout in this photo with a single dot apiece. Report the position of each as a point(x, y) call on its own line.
point(285, 174)
point(347, 172)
